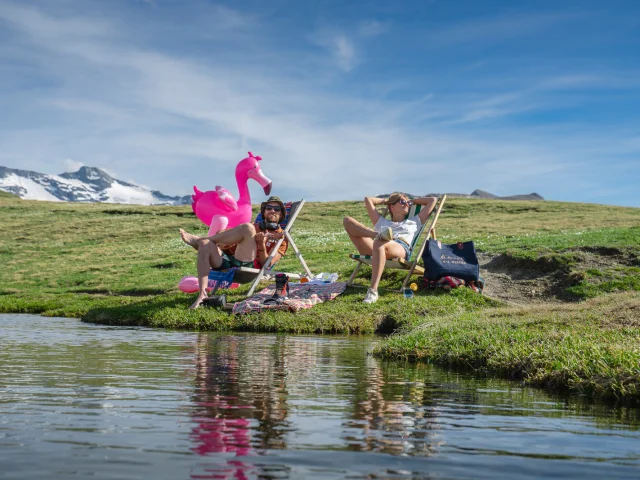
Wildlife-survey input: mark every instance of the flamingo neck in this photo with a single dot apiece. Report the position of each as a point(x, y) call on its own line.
point(243, 190)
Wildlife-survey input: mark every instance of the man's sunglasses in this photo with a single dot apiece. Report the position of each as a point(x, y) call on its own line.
point(405, 202)
point(275, 208)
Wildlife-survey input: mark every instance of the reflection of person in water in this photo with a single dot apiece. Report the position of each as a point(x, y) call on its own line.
point(221, 425)
point(227, 409)
point(390, 414)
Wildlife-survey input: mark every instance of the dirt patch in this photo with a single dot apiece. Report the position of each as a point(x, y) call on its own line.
point(521, 282)
point(515, 284)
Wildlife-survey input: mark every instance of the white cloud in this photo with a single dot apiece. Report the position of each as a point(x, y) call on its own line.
point(71, 165)
point(341, 48)
point(345, 52)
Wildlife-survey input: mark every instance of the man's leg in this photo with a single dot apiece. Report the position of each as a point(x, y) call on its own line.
point(243, 236)
point(360, 235)
point(234, 236)
point(209, 256)
point(382, 250)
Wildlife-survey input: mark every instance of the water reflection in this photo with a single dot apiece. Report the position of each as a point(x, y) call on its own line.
point(105, 402)
point(258, 393)
point(392, 416)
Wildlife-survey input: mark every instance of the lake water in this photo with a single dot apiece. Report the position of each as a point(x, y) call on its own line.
point(86, 401)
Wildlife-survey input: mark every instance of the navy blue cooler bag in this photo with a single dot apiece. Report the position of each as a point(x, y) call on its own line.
point(455, 260)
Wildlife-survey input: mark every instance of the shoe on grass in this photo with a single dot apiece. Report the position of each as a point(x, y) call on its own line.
point(371, 297)
point(385, 234)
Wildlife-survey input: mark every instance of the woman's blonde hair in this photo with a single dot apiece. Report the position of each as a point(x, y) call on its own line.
point(396, 197)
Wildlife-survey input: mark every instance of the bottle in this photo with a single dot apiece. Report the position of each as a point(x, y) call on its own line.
point(408, 293)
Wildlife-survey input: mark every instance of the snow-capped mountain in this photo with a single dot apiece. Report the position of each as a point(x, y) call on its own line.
point(88, 184)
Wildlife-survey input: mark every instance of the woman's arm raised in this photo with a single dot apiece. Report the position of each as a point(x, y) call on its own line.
point(429, 203)
point(370, 203)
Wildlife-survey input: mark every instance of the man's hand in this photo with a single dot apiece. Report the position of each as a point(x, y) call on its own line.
point(261, 240)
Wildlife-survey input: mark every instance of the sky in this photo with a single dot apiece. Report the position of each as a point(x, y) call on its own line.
point(340, 99)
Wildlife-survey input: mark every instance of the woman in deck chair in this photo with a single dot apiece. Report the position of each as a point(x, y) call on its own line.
point(389, 238)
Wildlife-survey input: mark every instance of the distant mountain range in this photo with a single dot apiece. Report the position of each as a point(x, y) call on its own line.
point(90, 184)
point(487, 195)
point(478, 194)
point(87, 185)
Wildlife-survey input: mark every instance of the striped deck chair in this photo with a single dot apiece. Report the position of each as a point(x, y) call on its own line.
point(410, 264)
point(246, 274)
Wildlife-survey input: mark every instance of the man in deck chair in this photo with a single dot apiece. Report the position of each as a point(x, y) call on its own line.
point(247, 245)
point(389, 238)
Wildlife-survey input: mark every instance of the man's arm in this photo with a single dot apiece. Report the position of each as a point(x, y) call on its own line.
point(370, 203)
point(261, 246)
point(429, 203)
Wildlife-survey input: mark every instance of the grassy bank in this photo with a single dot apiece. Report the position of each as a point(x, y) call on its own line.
point(120, 265)
point(590, 348)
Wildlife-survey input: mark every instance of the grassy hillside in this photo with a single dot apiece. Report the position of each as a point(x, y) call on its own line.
point(4, 194)
point(554, 265)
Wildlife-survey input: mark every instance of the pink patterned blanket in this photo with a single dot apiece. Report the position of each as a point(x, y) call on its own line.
point(300, 296)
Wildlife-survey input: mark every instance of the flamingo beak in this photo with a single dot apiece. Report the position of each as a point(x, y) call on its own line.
point(262, 179)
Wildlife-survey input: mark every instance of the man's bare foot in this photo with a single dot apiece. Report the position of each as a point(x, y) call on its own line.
point(188, 238)
point(198, 301)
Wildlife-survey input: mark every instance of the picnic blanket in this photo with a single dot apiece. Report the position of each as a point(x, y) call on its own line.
point(301, 296)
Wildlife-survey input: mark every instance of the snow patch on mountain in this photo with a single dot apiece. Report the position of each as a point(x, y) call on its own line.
point(26, 188)
point(119, 193)
point(88, 184)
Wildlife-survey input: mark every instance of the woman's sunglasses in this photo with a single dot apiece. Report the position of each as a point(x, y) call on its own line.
point(275, 208)
point(404, 203)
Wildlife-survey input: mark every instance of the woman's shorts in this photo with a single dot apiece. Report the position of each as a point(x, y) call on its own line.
point(406, 246)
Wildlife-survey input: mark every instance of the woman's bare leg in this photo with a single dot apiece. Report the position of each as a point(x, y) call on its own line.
point(382, 250)
point(360, 235)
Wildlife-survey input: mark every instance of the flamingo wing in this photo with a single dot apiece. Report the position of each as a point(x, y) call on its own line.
point(225, 196)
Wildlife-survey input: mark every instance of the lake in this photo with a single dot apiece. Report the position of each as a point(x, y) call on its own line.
point(86, 401)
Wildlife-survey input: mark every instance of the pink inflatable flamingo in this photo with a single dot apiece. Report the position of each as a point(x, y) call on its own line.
point(218, 209)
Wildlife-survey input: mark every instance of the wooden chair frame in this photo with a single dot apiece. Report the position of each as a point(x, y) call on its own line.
point(246, 274)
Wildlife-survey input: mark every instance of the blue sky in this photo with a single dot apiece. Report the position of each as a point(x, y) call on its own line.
point(341, 101)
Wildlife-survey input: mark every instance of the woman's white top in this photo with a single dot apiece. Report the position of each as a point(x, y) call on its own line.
point(404, 230)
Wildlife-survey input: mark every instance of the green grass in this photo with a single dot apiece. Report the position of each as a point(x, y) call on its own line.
point(589, 348)
point(75, 259)
point(120, 265)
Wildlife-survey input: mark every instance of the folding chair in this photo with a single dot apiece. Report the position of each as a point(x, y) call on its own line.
point(246, 274)
point(411, 264)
